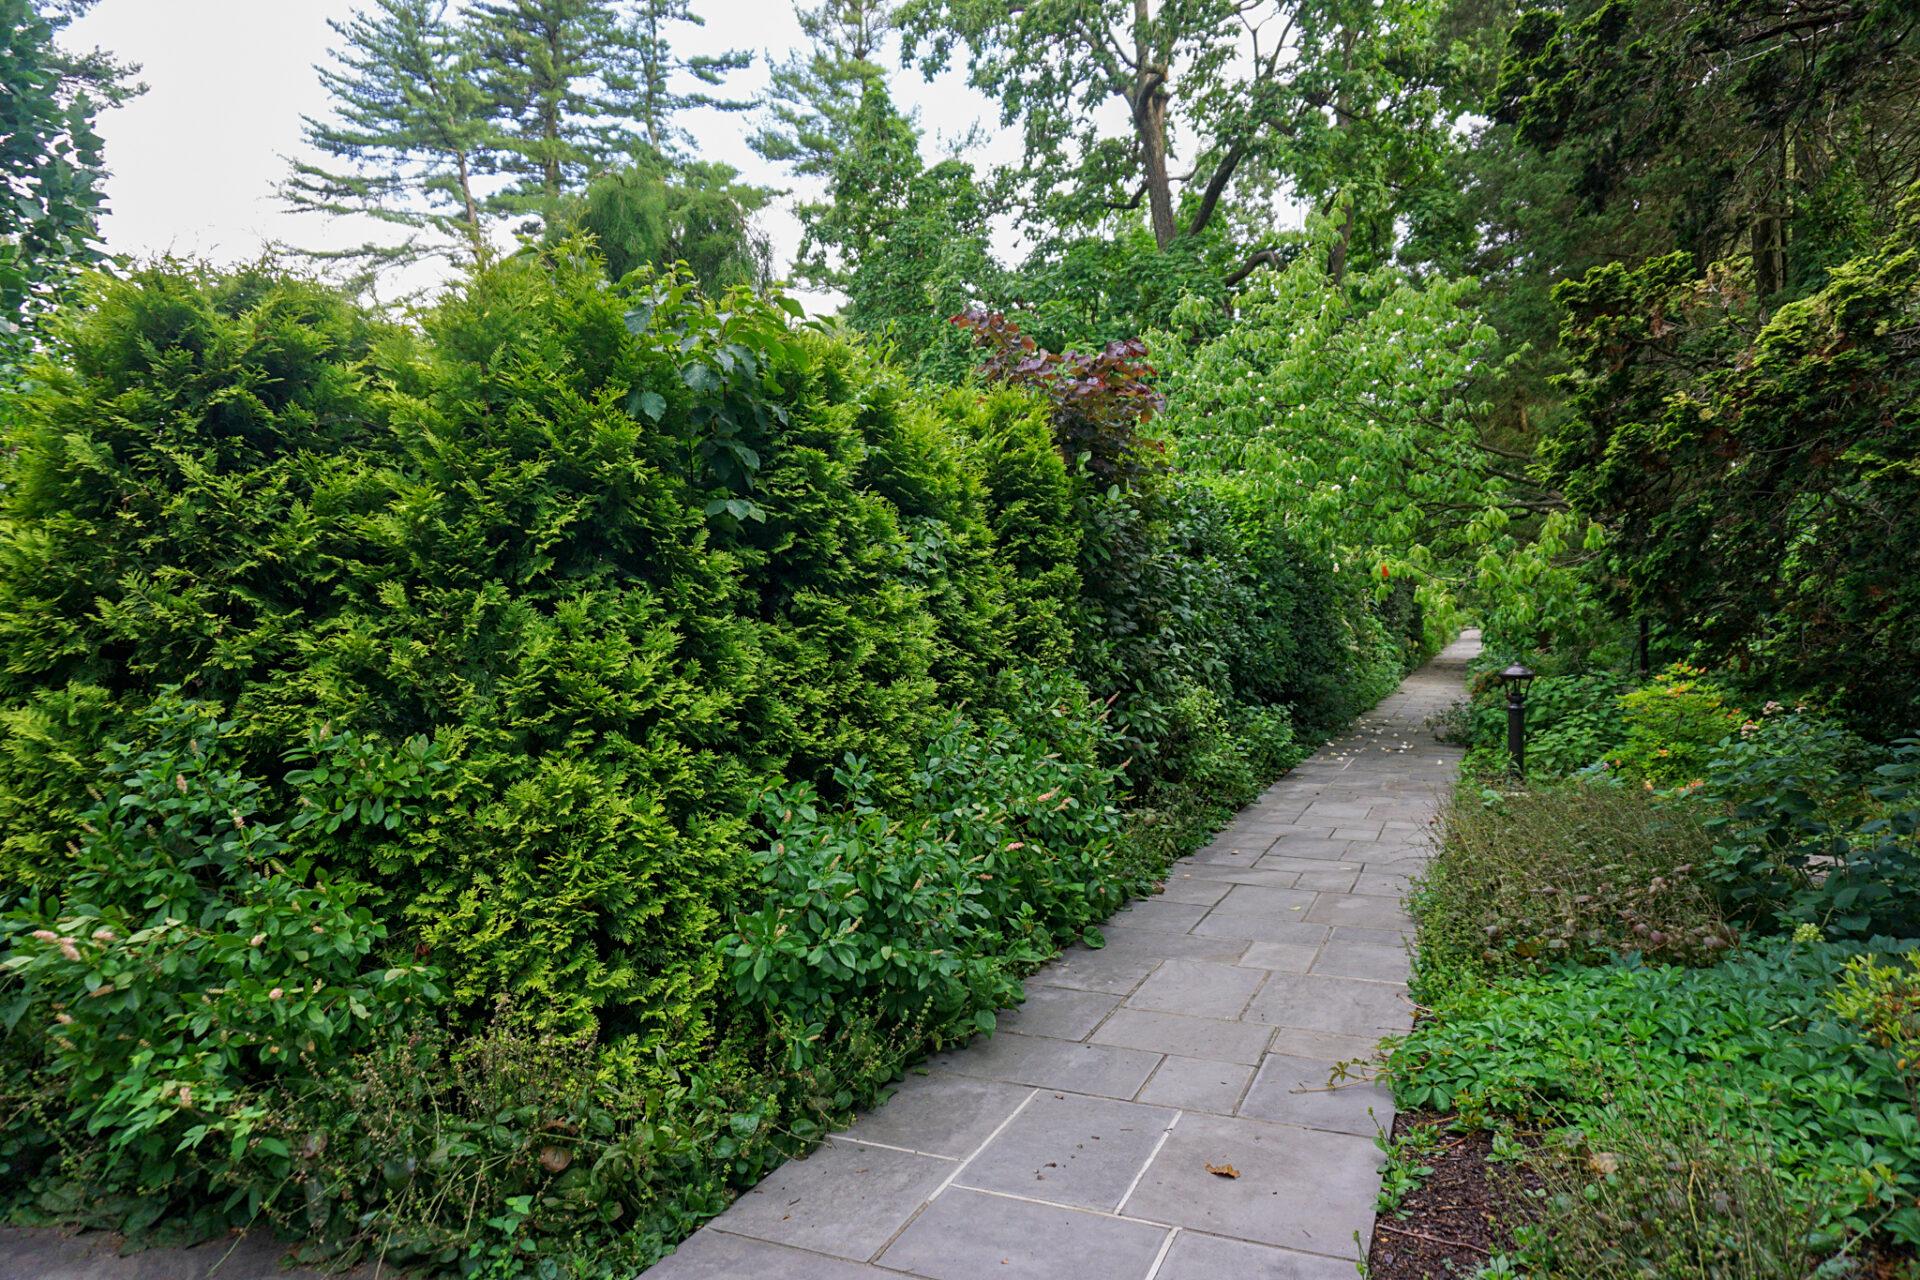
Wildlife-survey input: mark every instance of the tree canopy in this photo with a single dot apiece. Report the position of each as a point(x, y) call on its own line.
point(51, 164)
point(449, 121)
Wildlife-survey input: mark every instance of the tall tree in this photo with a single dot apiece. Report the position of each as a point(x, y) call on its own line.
point(411, 130)
point(812, 118)
point(1758, 470)
point(546, 65)
point(581, 86)
point(1224, 100)
point(868, 170)
point(810, 103)
point(644, 82)
point(1744, 123)
point(51, 164)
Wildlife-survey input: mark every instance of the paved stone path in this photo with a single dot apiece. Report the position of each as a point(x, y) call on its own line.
point(1076, 1142)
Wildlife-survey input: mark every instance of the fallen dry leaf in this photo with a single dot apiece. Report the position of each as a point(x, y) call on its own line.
point(1223, 1171)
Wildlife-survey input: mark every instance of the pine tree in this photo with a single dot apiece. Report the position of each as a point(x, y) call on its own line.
point(645, 85)
point(581, 87)
point(411, 130)
point(546, 66)
point(828, 116)
point(814, 95)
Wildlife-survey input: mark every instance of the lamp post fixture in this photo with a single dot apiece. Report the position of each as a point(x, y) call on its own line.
point(1517, 678)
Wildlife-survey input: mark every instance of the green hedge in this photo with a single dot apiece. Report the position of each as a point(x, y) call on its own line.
point(609, 654)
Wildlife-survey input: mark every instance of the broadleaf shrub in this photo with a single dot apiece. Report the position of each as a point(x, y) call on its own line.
point(1572, 721)
point(1010, 846)
point(193, 955)
point(1673, 725)
point(1808, 835)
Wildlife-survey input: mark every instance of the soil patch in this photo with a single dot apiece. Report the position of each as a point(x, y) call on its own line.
point(1454, 1221)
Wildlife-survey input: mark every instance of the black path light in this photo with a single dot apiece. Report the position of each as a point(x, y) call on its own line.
point(1517, 679)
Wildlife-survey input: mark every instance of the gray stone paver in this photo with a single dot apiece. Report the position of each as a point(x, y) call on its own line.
point(1104, 1070)
point(967, 1235)
point(1348, 1006)
point(1060, 1012)
point(1305, 1091)
point(1197, 1257)
point(1073, 1143)
point(1197, 989)
point(1379, 962)
point(1085, 1153)
point(845, 1199)
point(1228, 1039)
point(1305, 1189)
point(941, 1115)
point(1198, 1084)
point(720, 1255)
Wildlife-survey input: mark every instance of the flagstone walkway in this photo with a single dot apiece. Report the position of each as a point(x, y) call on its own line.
point(1159, 1109)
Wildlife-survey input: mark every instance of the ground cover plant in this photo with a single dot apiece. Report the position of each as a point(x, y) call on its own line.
point(1642, 1052)
point(1668, 974)
point(1574, 873)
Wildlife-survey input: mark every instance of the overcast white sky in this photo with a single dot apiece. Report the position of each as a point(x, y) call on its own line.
point(196, 159)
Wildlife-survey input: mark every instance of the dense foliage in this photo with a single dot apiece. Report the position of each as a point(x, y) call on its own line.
point(1666, 974)
point(1754, 1043)
point(1754, 468)
point(483, 785)
point(602, 677)
point(1801, 820)
point(51, 164)
point(1576, 873)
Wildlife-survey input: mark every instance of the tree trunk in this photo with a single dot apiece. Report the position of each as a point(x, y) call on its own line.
point(550, 173)
point(1337, 256)
point(1769, 256)
point(1152, 117)
point(475, 239)
point(1770, 228)
point(1150, 124)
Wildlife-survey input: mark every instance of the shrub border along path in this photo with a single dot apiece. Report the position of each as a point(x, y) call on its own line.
point(1159, 1108)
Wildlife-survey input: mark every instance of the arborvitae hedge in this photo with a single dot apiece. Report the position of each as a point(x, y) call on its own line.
point(532, 626)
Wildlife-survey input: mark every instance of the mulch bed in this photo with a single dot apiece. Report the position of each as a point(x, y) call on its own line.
point(1453, 1222)
point(1463, 1212)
